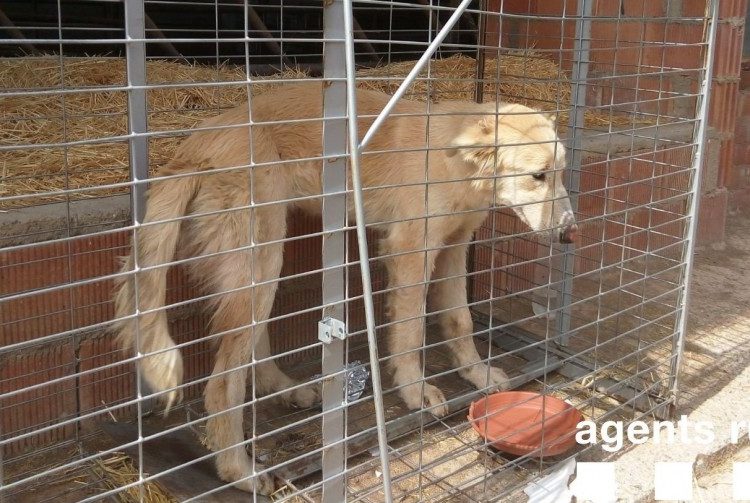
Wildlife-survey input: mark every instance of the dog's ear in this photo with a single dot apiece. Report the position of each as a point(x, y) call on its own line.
point(475, 135)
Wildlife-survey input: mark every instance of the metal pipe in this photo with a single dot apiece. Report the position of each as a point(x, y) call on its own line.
point(363, 38)
point(135, 61)
point(334, 224)
point(382, 116)
point(580, 70)
point(481, 53)
point(16, 34)
point(354, 158)
point(163, 39)
point(702, 134)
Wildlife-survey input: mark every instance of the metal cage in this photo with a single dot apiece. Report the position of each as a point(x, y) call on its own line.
point(98, 95)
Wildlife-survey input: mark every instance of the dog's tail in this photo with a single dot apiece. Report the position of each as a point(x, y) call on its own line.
point(149, 333)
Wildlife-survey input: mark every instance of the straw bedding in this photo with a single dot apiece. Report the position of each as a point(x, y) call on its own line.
point(92, 108)
point(118, 471)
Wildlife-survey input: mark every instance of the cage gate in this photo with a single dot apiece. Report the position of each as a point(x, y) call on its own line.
point(103, 100)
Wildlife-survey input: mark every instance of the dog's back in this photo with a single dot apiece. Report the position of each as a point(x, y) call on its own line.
point(284, 152)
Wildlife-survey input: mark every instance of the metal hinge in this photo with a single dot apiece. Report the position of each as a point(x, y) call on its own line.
point(328, 328)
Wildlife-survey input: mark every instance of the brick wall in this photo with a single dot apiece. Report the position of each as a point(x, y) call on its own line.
point(73, 360)
point(631, 47)
point(738, 177)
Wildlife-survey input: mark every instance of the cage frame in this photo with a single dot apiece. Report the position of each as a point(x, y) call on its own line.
point(340, 109)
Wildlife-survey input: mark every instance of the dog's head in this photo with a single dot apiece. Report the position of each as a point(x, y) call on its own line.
point(517, 153)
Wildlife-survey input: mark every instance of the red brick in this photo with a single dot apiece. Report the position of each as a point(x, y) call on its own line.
point(104, 387)
point(745, 103)
point(739, 199)
point(745, 72)
point(728, 50)
point(44, 406)
point(722, 114)
point(504, 260)
point(33, 267)
point(742, 154)
point(726, 161)
point(742, 130)
point(689, 53)
point(712, 217)
point(739, 177)
point(731, 8)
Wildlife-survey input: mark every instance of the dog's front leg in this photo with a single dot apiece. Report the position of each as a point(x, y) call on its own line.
point(407, 278)
point(448, 298)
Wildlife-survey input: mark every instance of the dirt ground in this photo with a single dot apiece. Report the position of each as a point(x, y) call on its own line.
point(716, 486)
point(715, 377)
point(717, 347)
point(717, 351)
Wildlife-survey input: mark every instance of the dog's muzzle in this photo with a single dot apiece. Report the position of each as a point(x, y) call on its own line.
point(568, 229)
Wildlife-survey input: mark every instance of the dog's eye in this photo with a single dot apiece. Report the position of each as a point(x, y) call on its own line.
point(539, 176)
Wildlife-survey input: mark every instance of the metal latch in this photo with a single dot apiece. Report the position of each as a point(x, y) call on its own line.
point(329, 327)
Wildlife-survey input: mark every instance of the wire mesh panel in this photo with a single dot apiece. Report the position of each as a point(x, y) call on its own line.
point(279, 247)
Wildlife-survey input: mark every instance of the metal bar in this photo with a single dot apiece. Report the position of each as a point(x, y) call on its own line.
point(163, 40)
point(15, 33)
point(259, 26)
point(137, 116)
point(433, 15)
point(382, 116)
point(481, 52)
point(135, 28)
point(2, 468)
point(581, 48)
point(694, 205)
point(354, 160)
point(334, 252)
point(362, 36)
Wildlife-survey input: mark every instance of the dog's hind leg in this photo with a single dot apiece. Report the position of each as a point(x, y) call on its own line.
point(243, 314)
point(225, 391)
point(268, 261)
point(448, 297)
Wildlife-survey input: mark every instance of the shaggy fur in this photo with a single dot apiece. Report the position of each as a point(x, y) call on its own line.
point(466, 177)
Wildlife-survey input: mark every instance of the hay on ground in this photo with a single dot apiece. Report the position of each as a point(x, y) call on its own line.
point(38, 118)
point(118, 471)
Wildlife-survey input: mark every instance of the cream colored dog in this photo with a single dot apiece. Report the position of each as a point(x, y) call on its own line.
point(427, 206)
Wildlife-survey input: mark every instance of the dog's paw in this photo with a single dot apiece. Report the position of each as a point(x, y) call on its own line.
point(477, 375)
point(432, 401)
point(262, 484)
point(241, 477)
point(499, 380)
point(303, 398)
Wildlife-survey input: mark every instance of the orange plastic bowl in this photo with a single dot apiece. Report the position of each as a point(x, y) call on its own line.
point(522, 422)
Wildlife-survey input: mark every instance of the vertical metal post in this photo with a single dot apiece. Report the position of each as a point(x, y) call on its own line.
point(701, 135)
point(334, 249)
point(2, 467)
point(135, 56)
point(579, 74)
point(481, 53)
point(355, 150)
